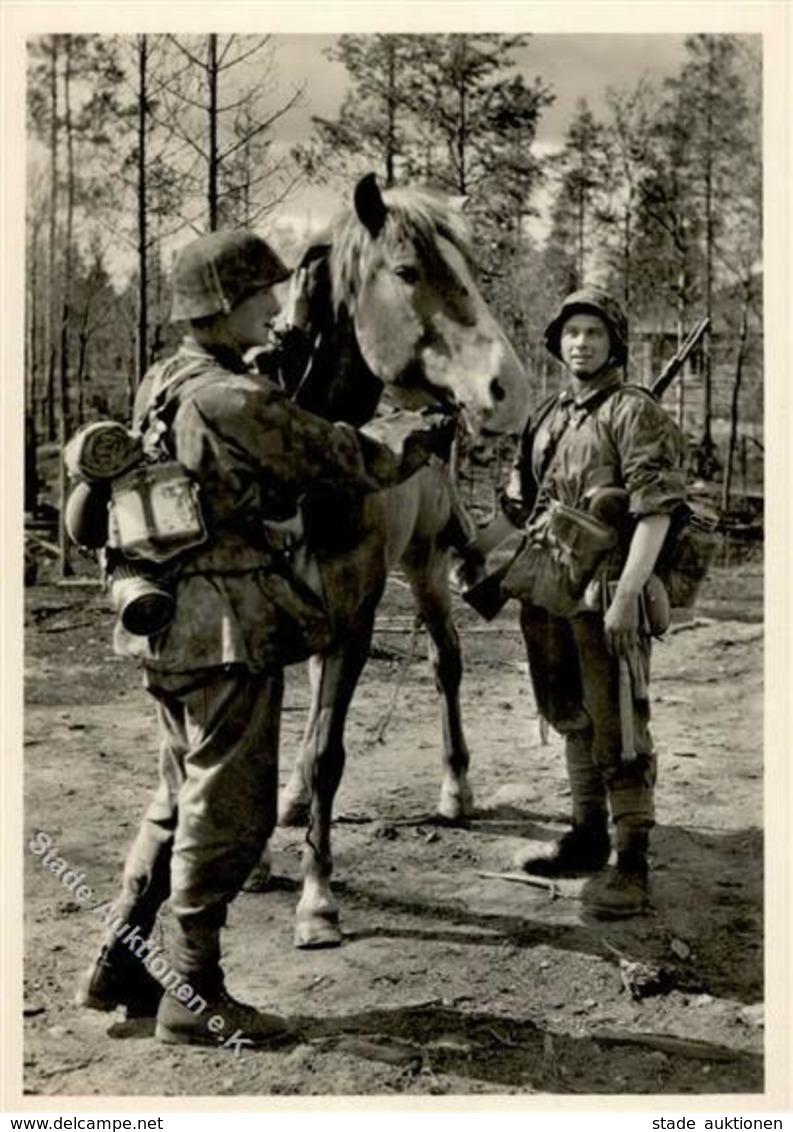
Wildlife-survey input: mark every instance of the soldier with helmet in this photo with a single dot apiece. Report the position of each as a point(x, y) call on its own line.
point(601, 449)
point(216, 670)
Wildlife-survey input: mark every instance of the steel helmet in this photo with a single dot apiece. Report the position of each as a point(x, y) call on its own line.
point(217, 271)
point(591, 300)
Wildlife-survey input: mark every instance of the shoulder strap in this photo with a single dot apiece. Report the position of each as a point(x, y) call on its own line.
point(596, 401)
point(544, 411)
point(633, 388)
point(192, 372)
point(158, 416)
point(192, 376)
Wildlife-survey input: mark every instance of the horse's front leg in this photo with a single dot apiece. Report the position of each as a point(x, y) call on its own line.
point(431, 589)
point(334, 678)
point(294, 799)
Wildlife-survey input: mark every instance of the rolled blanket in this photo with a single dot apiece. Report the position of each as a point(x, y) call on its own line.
point(102, 450)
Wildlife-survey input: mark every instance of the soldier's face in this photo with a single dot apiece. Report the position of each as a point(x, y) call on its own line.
point(585, 344)
point(250, 322)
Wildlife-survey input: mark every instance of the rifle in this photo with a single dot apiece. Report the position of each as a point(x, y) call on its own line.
point(676, 363)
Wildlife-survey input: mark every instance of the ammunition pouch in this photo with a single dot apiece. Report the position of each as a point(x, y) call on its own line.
point(560, 556)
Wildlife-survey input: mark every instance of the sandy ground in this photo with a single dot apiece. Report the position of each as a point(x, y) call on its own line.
point(447, 982)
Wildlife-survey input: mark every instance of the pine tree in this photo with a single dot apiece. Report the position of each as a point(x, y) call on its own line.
point(373, 130)
point(710, 101)
point(583, 169)
point(219, 106)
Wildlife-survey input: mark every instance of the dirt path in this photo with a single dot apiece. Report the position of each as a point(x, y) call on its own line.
point(447, 982)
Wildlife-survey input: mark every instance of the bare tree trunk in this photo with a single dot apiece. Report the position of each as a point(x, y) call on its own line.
point(682, 320)
point(626, 256)
point(462, 130)
point(132, 385)
point(31, 488)
point(391, 103)
point(707, 437)
point(212, 190)
point(143, 262)
point(734, 405)
point(49, 329)
point(744, 466)
point(64, 418)
point(83, 338)
point(707, 360)
point(68, 257)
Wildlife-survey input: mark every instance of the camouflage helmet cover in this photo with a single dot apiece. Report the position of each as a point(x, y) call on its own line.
point(217, 271)
point(591, 300)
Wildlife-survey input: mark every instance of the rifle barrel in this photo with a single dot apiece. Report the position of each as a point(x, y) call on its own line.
point(676, 363)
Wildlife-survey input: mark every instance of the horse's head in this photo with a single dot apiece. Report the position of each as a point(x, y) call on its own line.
point(400, 278)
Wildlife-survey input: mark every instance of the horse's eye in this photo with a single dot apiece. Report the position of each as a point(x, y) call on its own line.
point(407, 273)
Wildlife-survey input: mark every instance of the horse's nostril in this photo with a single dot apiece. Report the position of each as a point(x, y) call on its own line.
point(497, 390)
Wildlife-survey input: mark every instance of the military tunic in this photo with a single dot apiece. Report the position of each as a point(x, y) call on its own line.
point(614, 436)
point(216, 671)
point(254, 454)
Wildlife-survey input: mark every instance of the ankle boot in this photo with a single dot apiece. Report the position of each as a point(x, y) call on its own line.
point(583, 849)
point(212, 1017)
point(118, 978)
point(626, 889)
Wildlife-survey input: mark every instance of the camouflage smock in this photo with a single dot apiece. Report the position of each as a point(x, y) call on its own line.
point(253, 454)
point(617, 436)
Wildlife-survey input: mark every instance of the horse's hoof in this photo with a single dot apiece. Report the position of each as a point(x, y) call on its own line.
point(318, 930)
point(292, 811)
point(456, 805)
point(261, 874)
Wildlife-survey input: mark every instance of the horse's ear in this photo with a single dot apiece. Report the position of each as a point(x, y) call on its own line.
point(460, 203)
point(369, 204)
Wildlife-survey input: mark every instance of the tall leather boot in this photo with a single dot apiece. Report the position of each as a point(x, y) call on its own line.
point(118, 975)
point(584, 848)
point(626, 889)
point(198, 1010)
point(581, 850)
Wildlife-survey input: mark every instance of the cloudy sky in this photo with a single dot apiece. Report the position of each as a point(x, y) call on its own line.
point(574, 66)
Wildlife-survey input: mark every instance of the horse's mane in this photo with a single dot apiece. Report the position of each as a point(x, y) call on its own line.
point(417, 215)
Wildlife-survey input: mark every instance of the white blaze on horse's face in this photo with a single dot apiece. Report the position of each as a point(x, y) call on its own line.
point(420, 319)
point(427, 321)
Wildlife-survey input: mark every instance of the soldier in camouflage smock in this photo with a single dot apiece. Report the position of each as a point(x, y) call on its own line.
point(600, 433)
point(216, 672)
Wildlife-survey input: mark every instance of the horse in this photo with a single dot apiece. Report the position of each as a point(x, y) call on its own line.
point(394, 307)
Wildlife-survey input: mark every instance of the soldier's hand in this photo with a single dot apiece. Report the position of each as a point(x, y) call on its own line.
point(433, 436)
point(621, 624)
point(414, 435)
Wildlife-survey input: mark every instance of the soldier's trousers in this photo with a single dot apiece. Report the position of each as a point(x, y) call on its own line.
point(214, 808)
point(576, 687)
